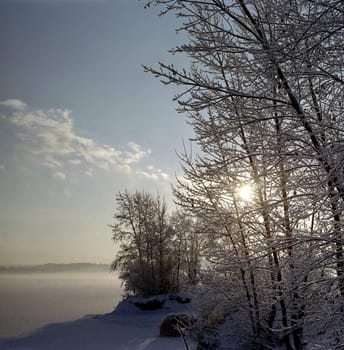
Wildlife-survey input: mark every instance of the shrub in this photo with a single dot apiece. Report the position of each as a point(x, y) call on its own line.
point(150, 305)
point(180, 299)
point(172, 325)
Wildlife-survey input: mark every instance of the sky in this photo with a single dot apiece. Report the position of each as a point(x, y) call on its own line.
point(80, 121)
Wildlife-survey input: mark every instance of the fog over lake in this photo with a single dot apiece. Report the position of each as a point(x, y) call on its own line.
point(31, 300)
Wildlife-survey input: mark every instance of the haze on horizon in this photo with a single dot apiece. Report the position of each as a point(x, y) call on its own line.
point(80, 121)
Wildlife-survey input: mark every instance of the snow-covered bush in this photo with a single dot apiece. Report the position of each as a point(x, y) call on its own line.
point(180, 298)
point(174, 324)
point(150, 305)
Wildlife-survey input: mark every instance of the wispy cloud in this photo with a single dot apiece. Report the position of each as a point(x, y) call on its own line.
point(153, 173)
point(13, 104)
point(51, 138)
point(136, 153)
point(59, 175)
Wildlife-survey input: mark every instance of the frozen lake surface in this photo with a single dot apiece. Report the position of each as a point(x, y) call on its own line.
point(126, 328)
point(31, 300)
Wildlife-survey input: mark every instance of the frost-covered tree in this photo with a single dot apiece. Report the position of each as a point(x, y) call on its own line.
point(145, 259)
point(158, 253)
point(188, 246)
point(264, 95)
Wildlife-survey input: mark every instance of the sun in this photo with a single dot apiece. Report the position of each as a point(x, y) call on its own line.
point(245, 192)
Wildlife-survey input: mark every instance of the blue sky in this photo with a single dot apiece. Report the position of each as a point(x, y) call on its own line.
point(80, 121)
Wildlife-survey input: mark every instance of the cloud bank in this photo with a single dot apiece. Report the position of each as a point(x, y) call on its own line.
point(51, 138)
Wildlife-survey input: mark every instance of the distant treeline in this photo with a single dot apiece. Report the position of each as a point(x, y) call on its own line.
point(73, 267)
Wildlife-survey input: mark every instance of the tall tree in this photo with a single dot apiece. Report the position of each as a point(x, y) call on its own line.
point(264, 95)
point(158, 253)
point(145, 259)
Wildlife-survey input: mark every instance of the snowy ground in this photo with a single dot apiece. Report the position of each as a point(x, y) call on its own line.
point(126, 328)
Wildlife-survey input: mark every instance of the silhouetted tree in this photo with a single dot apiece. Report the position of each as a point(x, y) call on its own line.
point(145, 260)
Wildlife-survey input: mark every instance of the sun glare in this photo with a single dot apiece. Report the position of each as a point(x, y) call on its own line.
point(245, 192)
